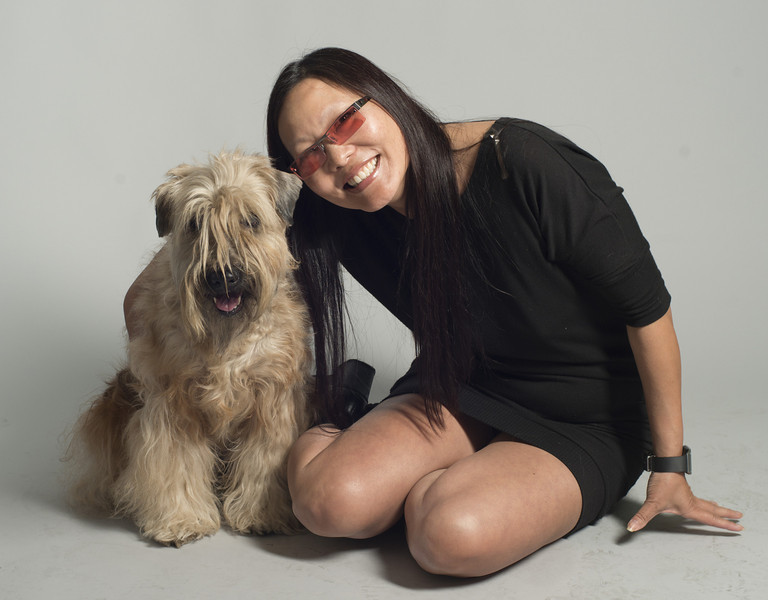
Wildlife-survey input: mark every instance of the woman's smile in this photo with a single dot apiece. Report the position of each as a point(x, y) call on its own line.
point(364, 176)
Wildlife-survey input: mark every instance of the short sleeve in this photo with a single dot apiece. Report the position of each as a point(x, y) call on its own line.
point(586, 225)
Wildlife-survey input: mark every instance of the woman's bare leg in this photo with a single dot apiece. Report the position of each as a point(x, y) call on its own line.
point(490, 509)
point(354, 483)
point(473, 503)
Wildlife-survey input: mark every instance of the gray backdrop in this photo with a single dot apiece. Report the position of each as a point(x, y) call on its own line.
point(99, 99)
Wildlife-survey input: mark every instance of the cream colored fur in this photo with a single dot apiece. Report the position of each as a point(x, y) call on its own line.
point(198, 426)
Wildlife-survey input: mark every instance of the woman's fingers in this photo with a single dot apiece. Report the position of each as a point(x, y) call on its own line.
point(672, 494)
point(710, 513)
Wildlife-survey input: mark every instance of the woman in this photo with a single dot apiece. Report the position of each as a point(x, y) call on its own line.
point(547, 363)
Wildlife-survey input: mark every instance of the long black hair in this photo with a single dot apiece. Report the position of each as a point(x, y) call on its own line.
point(435, 248)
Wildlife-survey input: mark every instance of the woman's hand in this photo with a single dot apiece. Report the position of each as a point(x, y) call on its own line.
point(658, 360)
point(670, 493)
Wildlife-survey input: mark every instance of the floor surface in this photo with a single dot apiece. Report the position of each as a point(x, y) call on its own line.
point(46, 551)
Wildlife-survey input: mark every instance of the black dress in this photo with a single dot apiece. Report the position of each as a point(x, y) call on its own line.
point(567, 269)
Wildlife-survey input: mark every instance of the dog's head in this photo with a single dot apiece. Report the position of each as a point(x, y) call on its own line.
point(226, 223)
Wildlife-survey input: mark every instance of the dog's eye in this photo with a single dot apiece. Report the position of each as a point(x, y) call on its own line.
point(252, 221)
point(193, 226)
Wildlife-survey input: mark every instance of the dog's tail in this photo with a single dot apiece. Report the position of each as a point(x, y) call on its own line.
point(97, 450)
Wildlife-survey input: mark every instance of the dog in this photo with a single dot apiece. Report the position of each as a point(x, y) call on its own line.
point(197, 428)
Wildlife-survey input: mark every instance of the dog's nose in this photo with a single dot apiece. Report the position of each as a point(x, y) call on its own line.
point(220, 282)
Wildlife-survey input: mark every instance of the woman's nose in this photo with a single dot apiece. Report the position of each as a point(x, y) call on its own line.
point(338, 155)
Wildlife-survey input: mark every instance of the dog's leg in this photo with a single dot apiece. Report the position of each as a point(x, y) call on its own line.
point(168, 484)
point(255, 494)
point(97, 447)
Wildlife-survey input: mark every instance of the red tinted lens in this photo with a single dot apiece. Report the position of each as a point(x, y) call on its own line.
point(345, 126)
point(342, 129)
point(309, 161)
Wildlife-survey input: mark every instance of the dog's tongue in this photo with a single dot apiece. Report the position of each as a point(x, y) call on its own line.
point(227, 303)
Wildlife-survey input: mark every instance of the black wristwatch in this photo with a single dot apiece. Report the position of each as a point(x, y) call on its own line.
point(669, 464)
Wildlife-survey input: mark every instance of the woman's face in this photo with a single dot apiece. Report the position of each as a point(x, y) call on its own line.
point(375, 154)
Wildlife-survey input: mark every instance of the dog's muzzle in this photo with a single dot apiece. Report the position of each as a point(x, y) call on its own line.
point(227, 290)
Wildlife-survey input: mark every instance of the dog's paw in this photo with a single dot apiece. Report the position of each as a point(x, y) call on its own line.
point(180, 532)
point(178, 538)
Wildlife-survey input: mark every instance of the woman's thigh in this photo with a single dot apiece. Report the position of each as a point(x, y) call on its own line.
point(354, 483)
point(491, 509)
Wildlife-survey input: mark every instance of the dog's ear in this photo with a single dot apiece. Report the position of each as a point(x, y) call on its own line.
point(288, 189)
point(162, 198)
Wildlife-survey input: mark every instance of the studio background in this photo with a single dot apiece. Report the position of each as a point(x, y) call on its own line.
point(98, 99)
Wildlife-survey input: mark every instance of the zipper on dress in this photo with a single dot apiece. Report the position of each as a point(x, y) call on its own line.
point(494, 135)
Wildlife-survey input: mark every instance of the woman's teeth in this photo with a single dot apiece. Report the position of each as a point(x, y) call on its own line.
point(365, 172)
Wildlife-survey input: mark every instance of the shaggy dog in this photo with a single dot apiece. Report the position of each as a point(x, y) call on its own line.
point(198, 426)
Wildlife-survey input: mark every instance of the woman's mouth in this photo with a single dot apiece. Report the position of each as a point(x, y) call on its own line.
point(364, 173)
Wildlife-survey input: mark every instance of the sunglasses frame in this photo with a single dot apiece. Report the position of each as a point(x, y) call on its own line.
point(328, 137)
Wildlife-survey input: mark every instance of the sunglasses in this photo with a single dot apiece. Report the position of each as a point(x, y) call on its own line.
point(342, 129)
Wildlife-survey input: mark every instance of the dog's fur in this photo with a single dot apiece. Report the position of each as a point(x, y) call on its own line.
point(200, 423)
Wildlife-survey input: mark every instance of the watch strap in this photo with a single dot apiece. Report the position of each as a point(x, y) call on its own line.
point(669, 464)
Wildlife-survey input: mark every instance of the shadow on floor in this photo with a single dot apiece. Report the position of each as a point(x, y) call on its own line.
point(396, 564)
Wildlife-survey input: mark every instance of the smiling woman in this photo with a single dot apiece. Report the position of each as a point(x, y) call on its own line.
point(547, 364)
point(360, 161)
point(414, 160)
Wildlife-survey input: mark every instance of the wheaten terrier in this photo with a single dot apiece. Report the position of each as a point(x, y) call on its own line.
point(198, 426)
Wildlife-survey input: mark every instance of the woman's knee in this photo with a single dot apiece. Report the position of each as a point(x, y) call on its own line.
point(490, 510)
point(331, 506)
point(331, 497)
point(447, 538)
